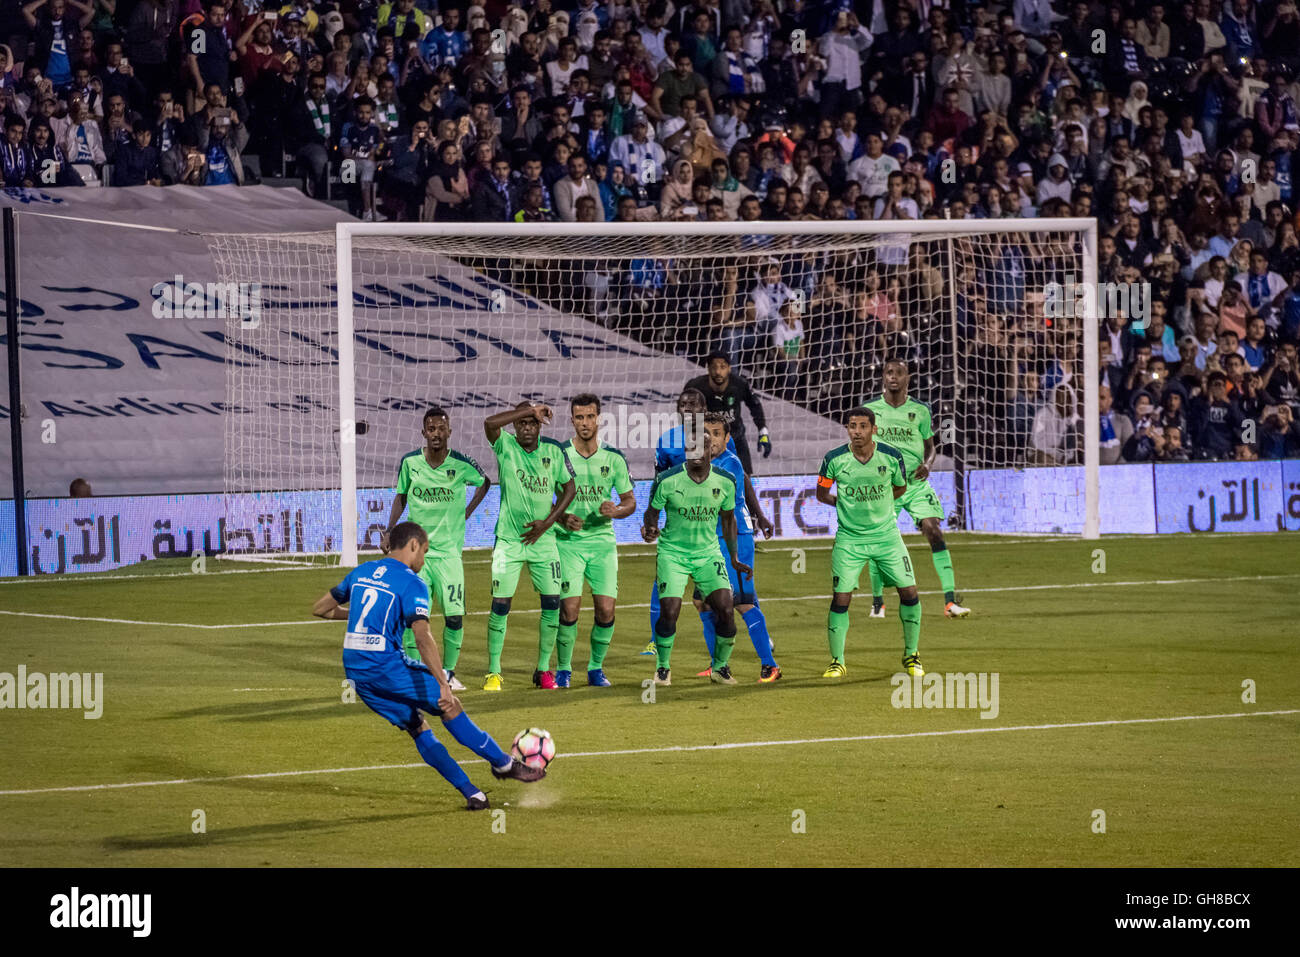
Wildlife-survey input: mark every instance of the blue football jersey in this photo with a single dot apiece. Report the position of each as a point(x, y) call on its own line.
point(671, 449)
point(730, 463)
point(384, 598)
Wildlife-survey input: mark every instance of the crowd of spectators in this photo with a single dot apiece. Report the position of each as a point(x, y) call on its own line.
point(1174, 125)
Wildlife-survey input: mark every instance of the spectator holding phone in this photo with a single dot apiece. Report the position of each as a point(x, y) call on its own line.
point(447, 194)
point(1279, 437)
point(222, 142)
point(83, 142)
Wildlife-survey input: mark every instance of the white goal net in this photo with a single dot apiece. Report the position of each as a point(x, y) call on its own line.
point(327, 391)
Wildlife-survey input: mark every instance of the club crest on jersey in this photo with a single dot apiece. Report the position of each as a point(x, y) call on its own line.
point(604, 470)
point(379, 572)
point(881, 469)
point(451, 473)
point(717, 492)
point(545, 461)
point(911, 416)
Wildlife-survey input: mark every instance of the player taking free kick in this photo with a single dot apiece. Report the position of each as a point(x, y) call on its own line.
point(432, 482)
point(384, 597)
point(531, 469)
point(585, 539)
point(868, 476)
point(697, 498)
point(905, 424)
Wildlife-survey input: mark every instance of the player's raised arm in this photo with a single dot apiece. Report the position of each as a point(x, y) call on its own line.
point(493, 424)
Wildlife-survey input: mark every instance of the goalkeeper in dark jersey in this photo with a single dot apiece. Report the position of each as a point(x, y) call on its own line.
point(726, 393)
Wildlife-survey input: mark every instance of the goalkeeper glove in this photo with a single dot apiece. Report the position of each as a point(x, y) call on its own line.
point(764, 443)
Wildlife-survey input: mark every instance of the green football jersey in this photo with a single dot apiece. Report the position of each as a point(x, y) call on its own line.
point(529, 482)
point(692, 508)
point(594, 476)
point(435, 497)
point(905, 428)
point(864, 503)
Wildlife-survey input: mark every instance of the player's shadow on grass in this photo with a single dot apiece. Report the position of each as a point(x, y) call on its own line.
point(253, 711)
point(256, 832)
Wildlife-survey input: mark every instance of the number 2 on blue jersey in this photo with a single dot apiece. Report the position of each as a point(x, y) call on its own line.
point(369, 598)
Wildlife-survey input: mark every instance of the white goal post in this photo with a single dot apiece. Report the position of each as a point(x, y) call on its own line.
point(366, 327)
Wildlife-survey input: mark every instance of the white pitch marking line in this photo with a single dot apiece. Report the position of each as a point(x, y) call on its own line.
point(534, 611)
point(161, 624)
point(674, 749)
point(762, 545)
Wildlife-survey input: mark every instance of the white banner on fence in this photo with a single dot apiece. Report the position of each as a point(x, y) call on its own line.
point(135, 402)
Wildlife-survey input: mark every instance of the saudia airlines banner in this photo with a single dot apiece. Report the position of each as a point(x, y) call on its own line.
point(100, 534)
point(124, 383)
point(111, 392)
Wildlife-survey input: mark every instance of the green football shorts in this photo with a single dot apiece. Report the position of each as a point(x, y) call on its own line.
point(708, 570)
point(920, 501)
point(594, 562)
point(543, 560)
point(848, 558)
point(445, 577)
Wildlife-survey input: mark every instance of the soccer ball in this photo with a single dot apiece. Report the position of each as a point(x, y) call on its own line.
point(534, 747)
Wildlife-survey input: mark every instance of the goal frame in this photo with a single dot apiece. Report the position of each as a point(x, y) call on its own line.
point(345, 232)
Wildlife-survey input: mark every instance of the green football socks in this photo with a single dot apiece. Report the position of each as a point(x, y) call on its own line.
point(837, 629)
point(547, 627)
point(664, 648)
point(911, 616)
point(565, 636)
point(496, 641)
point(943, 566)
point(601, 636)
point(451, 639)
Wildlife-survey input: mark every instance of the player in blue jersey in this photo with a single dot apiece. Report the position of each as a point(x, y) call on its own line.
point(748, 515)
point(670, 451)
point(384, 598)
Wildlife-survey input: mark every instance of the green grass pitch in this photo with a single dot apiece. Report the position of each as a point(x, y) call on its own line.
point(247, 714)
